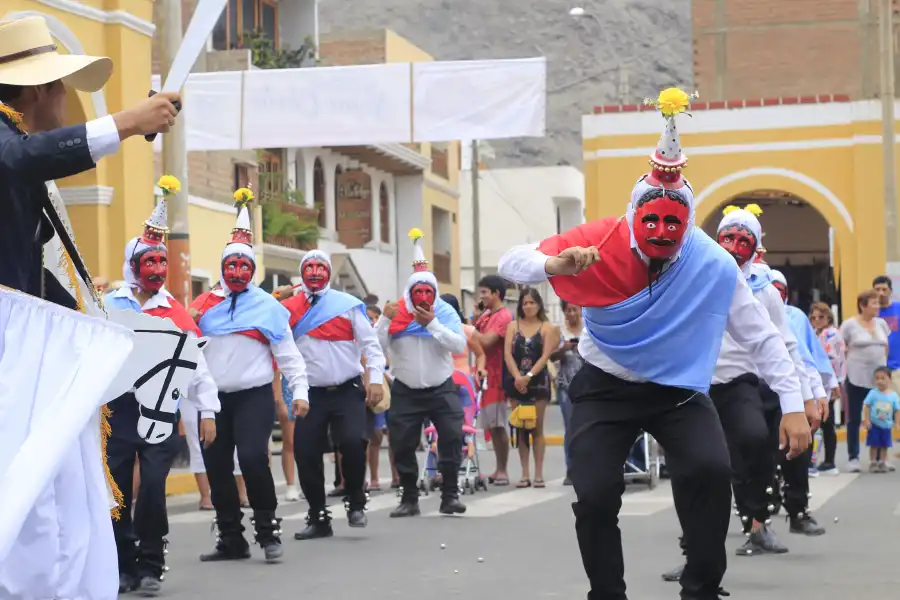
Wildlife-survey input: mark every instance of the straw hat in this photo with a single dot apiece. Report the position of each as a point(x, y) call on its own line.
point(28, 57)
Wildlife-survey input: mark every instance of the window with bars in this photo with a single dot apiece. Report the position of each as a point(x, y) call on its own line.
point(241, 16)
point(271, 174)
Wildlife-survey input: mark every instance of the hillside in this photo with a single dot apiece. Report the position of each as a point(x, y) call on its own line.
point(653, 38)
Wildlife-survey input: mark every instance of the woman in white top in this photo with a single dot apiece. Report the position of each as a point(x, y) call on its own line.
point(866, 347)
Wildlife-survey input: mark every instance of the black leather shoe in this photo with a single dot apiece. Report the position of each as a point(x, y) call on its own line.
point(128, 583)
point(674, 574)
point(224, 552)
point(806, 525)
point(273, 550)
point(452, 506)
point(150, 587)
point(406, 509)
point(357, 518)
point(315, 530)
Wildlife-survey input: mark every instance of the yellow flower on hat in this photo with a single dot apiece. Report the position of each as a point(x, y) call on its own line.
point(169, 185)
point(672, 101)
point(416, 234)
point(243, 195)
point(754, 209)
point(729, 209)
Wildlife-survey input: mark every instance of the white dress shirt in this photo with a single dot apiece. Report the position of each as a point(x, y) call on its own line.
point(238, 362)
point(774, 305)
point(102, 138)
point(421, 362)
point(747, 324)
point(202, 392)
point(331, 363)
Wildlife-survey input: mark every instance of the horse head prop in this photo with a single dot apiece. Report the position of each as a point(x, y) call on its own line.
point(158, 371)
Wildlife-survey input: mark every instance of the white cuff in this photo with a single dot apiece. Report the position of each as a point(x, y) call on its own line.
point(791, 403)
point(207, 414)
point(376, 376)
point(102, 137)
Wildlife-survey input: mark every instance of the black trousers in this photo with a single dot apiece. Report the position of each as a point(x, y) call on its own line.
point(856, 397)
point(410, 408)
point(142, 526)
point(829, 436)
point(607, 415)
point(740, 409)
point(342, 410)
point(795, 472)
point(245, 422)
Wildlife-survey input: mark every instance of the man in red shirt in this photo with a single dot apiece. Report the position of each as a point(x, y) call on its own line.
point(490, 327)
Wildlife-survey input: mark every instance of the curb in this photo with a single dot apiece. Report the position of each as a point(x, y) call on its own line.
point(178, 484)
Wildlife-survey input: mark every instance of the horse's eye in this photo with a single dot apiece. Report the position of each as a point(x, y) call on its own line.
point(175, 394)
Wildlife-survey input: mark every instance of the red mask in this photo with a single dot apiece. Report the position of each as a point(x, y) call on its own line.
point(316, 274)
point(422, 293)
point(237, 270)
point(739, 243)
point(151, 268)
point(782, 289)
point(660, 220)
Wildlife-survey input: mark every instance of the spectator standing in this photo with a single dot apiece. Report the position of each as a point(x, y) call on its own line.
point(570, 362)
point(491, 320)
point(880, 412)
point(890, 312)
point(866, 345)
point(822, 320)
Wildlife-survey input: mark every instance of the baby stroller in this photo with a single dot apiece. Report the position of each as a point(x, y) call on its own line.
point(644, 463)
point(470, 478)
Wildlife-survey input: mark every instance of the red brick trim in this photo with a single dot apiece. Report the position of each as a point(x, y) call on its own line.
point(730, 104)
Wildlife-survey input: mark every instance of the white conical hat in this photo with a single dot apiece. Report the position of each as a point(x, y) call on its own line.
point(668, 151)
point(159, 217)
point(419, 261)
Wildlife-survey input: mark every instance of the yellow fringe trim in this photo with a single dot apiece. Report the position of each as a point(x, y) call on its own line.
point(15, 117)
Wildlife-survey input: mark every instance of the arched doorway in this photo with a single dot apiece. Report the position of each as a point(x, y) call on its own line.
point(798, 243)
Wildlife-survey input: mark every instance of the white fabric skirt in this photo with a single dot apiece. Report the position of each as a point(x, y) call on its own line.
point(56, 539)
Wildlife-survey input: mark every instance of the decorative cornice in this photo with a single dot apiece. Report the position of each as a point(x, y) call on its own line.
point(94, 195)
point(112, 17)
point(404, 154)
point(441, 187)
point(212, 205)
point(729, 104)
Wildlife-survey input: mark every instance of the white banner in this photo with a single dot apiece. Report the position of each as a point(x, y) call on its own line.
point(212, 111)
point(363, 105)
point(479, 99)
point(329, 106)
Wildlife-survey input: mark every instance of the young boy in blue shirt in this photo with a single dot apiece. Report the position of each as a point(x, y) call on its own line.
point(881, 410)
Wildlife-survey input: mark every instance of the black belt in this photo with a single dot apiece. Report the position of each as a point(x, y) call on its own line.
point(333, 388)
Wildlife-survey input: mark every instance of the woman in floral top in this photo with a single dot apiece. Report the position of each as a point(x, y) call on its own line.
point(822, 320)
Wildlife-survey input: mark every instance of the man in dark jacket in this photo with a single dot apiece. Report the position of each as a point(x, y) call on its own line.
point(33, 82)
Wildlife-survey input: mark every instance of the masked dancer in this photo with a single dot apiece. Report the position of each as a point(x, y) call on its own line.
point(649, 282)
point(247, 328)
point(333, 333)
point(421, 332)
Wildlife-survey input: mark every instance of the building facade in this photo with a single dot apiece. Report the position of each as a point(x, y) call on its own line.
point(822, 153)
point(116, 197)
point(517, 206)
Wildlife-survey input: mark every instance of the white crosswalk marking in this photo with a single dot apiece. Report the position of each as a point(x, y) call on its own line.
point(823, 489)
point(493, 505)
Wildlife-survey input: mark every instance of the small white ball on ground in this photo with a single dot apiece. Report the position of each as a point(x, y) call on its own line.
point(576, 12)
point(480, 559)
point(455, 572)
point(836, 519)
point(443, 546)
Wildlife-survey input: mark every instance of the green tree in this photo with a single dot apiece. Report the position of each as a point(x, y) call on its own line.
point(265, 55)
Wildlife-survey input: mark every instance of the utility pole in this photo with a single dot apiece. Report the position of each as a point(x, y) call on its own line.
point(174, 160)
point(886, 39)
point(476, 218)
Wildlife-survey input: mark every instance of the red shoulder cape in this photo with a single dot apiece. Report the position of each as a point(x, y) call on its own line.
point(179, 316)
point(337, 329)
point(402, 319)
point(207, 300)
point(616, 277)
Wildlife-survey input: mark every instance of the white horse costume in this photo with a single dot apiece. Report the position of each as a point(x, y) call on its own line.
point(57, 369)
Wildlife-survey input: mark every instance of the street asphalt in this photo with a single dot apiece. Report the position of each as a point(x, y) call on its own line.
point(521, 544)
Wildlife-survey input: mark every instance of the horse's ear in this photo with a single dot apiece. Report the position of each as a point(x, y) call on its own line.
point(201, 342)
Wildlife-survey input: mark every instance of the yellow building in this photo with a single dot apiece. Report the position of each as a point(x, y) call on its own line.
point(814, 163)
point(121, 30)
